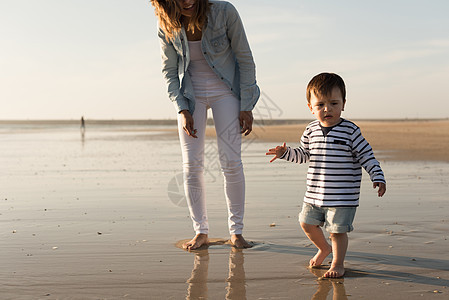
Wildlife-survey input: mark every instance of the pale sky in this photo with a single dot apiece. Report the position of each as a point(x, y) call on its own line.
point(61, 59)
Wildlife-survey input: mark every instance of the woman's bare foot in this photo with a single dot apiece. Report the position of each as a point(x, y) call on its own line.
point(199, 240)
point(335, 272)
point(239, 242)
point(319, 257)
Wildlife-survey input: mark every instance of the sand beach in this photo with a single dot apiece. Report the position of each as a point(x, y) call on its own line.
point(101, 216)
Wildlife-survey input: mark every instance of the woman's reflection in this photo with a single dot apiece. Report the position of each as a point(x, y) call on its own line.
point(198, 279)
point(236, 280)
point(236, 288)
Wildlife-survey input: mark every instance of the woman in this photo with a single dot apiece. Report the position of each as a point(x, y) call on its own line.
point(207, 63)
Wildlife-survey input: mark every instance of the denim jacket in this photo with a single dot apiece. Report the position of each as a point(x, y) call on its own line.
point(225, 49)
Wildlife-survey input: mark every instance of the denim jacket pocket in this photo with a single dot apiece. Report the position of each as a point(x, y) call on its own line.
point(220, 43)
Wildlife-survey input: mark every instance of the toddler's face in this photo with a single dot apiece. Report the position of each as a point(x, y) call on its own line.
point(327, 109)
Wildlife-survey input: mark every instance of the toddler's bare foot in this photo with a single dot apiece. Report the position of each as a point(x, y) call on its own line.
point(199, 240)
point(335, 272)
point(319, 257)
point(238, 241)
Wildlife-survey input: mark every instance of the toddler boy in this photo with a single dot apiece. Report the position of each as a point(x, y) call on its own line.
point(336, 151)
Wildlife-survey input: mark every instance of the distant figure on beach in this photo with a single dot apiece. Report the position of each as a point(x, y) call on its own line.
point(82, 126)
point(207, 63)
point(337, 151)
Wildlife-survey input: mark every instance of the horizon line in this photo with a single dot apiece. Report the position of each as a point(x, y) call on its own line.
point(144, 121)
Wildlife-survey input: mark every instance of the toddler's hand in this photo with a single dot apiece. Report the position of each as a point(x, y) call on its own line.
point(382, 188)
point(277, 152)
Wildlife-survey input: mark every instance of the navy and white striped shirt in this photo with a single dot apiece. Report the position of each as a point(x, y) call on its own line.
point(336, 161)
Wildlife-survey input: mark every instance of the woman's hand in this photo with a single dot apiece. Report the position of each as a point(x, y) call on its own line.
point(277, 152)
point(246, 122)
point(187, 123)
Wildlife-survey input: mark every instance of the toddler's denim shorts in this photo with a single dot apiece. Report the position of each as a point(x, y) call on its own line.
point(334, 219)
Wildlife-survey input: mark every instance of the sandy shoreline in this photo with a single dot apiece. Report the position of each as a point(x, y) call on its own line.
point(401, 140)
point(404, 140)
point(99, 217)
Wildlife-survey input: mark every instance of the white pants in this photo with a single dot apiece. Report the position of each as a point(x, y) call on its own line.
point(225, 111)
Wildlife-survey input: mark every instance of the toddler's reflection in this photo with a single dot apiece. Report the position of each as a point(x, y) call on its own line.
point(236, 288)
point(326, 284)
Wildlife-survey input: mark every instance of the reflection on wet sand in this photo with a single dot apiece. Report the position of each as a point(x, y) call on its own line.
point(236, 288)
point(83, 138)
point(236, 280)
point(326, 284)
point(198, 279)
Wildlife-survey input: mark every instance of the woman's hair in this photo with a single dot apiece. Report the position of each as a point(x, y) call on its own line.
point(171, 19)
point(322, 85)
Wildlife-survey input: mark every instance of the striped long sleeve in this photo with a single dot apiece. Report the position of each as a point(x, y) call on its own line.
point(335, 163)
point(298, 155)
point(363, 153)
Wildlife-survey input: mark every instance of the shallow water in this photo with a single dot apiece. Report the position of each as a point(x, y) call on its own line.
point(98, 217)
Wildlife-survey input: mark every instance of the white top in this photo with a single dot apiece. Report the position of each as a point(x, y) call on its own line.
point(205, 82)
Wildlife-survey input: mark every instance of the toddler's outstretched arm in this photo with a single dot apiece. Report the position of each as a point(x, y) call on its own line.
point(277, 152)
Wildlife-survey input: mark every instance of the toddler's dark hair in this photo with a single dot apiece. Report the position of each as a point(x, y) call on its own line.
point(323, 83)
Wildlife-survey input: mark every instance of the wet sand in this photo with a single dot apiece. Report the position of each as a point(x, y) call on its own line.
point(100, 217)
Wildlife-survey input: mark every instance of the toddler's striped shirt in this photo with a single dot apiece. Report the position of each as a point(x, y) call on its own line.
point(336, 158)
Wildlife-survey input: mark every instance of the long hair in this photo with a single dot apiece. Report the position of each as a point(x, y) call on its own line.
point(171, 20)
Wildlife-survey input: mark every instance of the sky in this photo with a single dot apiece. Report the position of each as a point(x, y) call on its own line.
point(63, 59)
